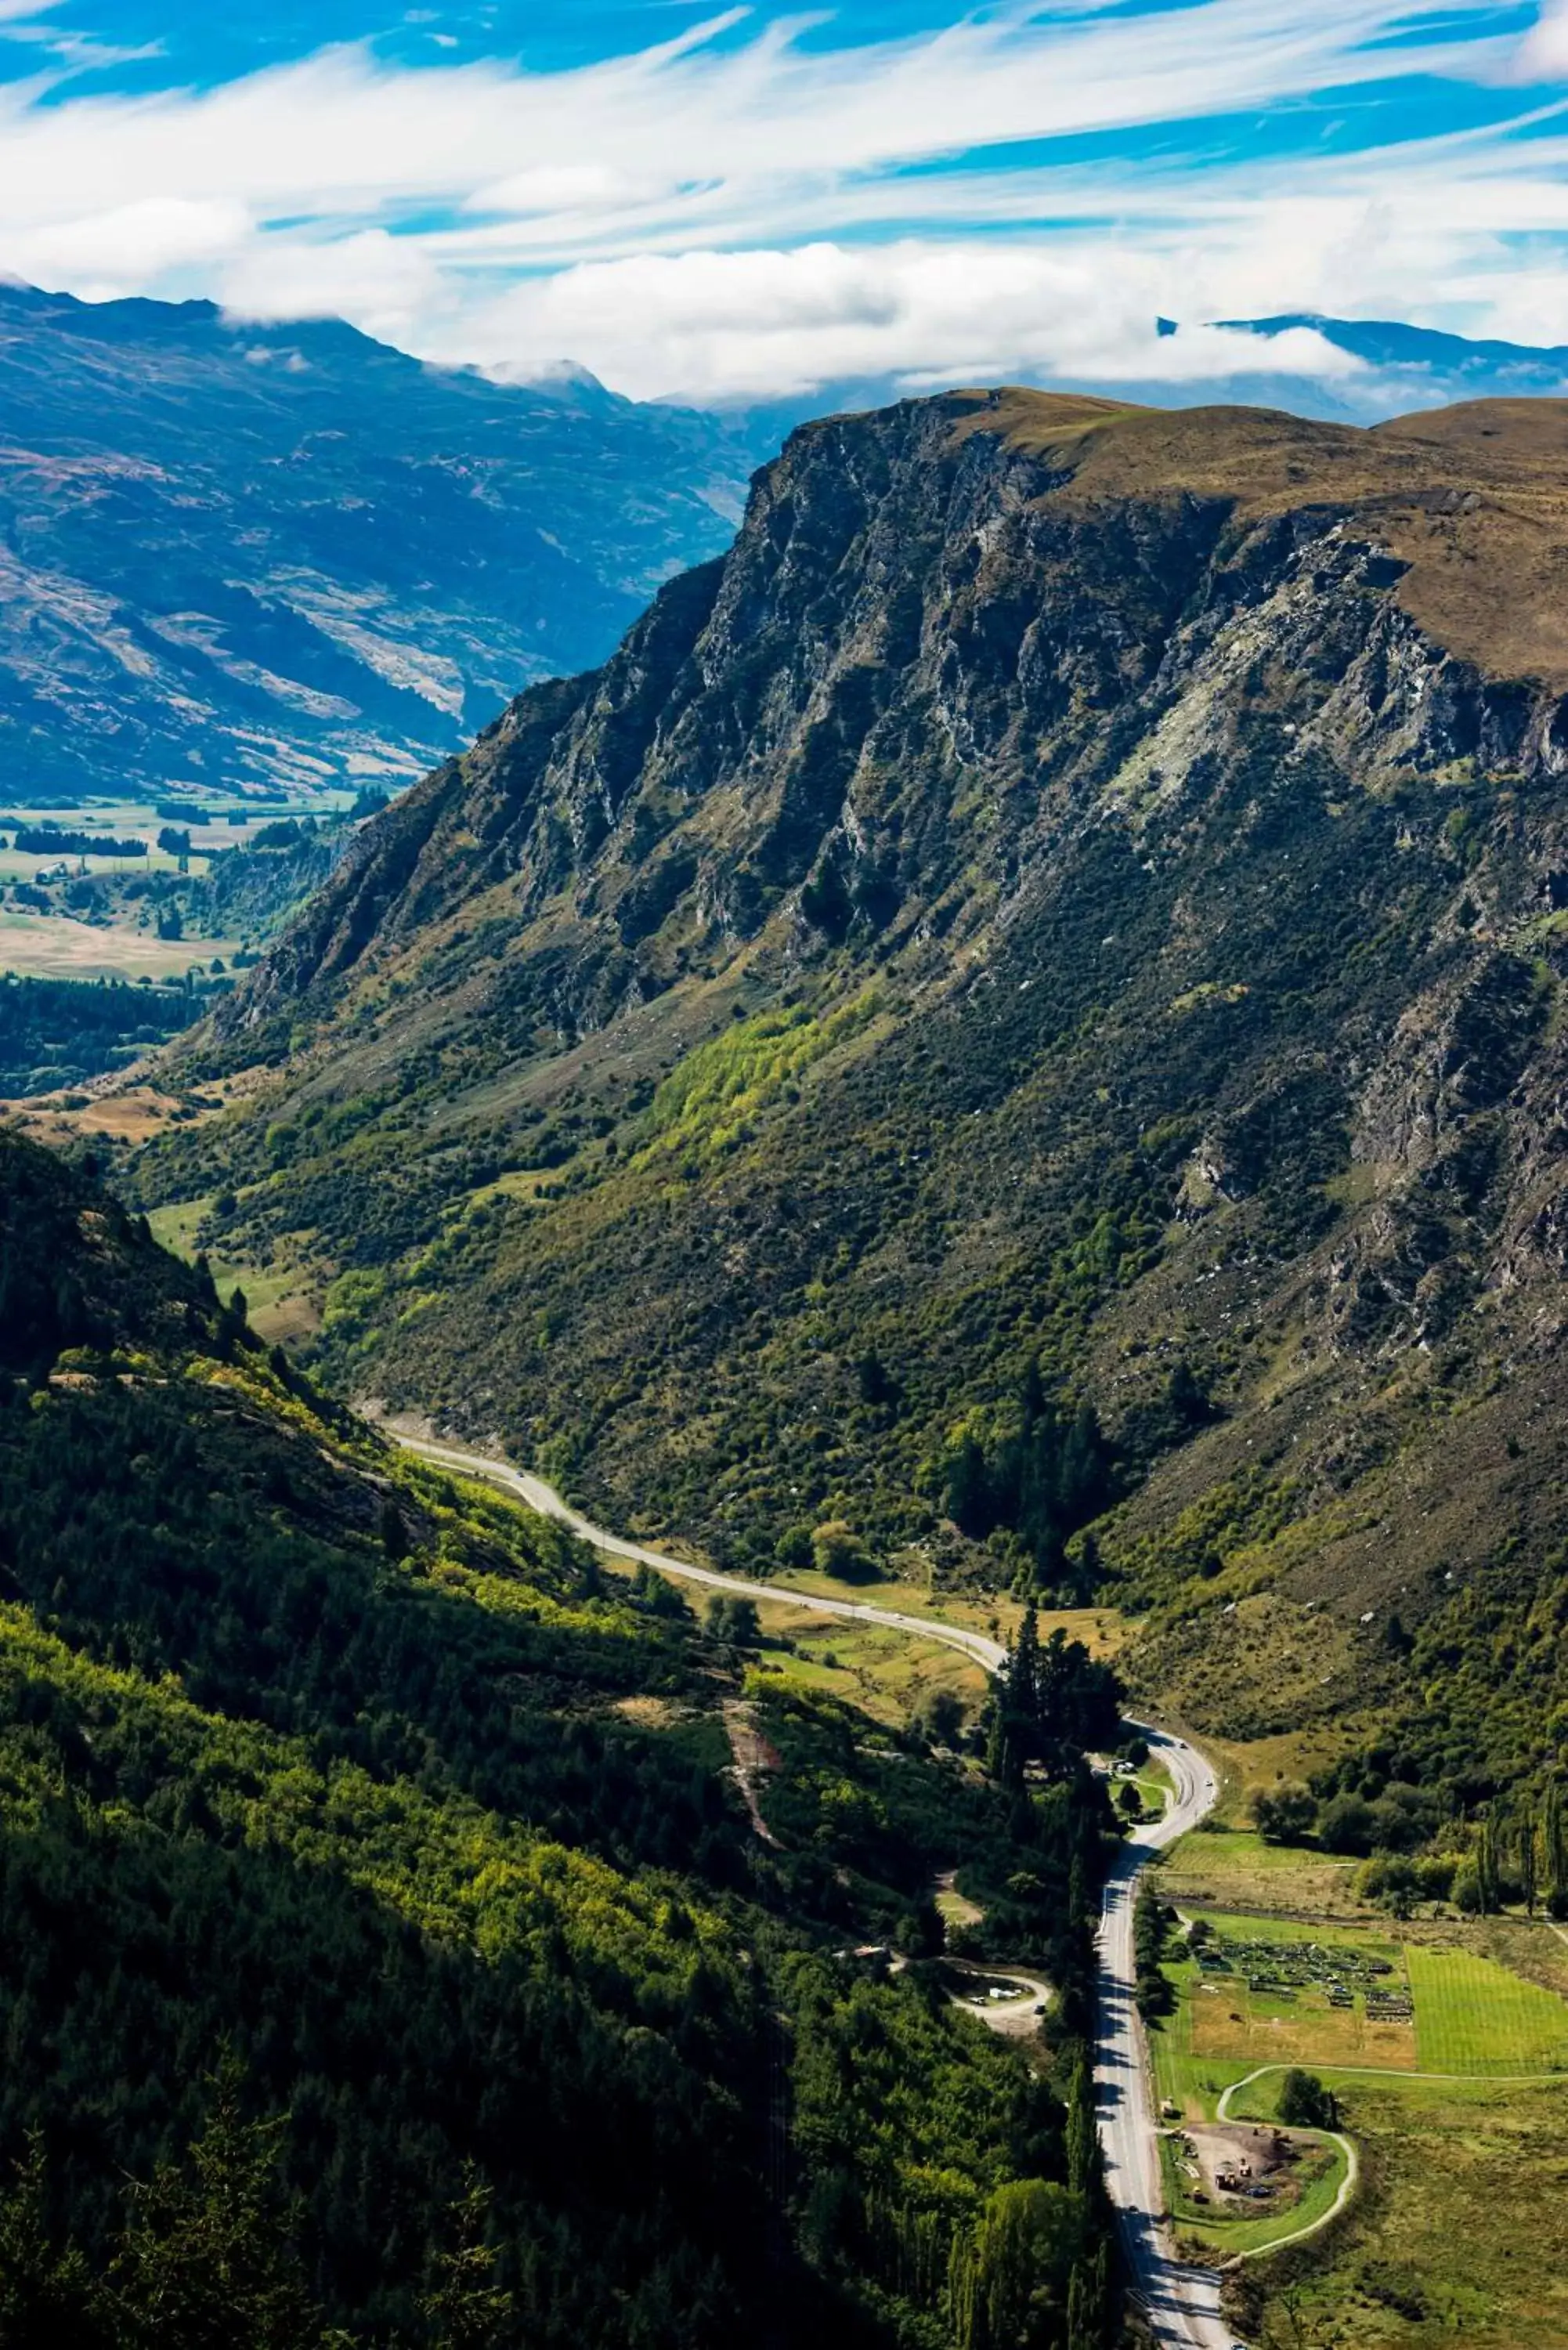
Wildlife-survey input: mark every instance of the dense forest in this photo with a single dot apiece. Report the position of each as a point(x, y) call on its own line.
point(55, 1033)
point(383, 1947)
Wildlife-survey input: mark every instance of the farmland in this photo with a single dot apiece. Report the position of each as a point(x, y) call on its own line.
point(1233, 1868)
point(1459, 2228)
point(55, 946)
point(1225, 2025)
point(886, 1673)
point(1333, 1998)
point(1378, 2015)
point(70, 910)
point(1473, 2016)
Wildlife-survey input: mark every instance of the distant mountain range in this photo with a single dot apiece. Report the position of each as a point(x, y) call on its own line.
point(1412, 367)
point(1400, 369)
point(287, 556)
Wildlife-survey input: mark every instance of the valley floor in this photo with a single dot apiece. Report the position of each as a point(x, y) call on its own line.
point(1445, 2043)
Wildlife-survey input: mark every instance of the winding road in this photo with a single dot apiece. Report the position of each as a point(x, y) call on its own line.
point(1182, 2303)
point(549, 1504)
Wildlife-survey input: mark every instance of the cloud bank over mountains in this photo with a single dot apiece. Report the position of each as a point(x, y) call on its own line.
point(754, 206)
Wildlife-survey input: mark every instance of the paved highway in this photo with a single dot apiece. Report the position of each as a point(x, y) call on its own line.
point(1182, 2303)
point(549, 1504)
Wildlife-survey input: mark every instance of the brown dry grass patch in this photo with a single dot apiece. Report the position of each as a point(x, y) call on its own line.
point(1473, 499)
point(648, 1712)
point(1318, 2037)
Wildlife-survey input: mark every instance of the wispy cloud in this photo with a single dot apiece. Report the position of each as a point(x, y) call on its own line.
point(713, 217)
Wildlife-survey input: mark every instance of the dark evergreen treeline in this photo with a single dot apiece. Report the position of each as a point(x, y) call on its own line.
point(1152, 1920)
point(58, 841)
point(58, 1032)
point(1052, 1703)
point(1043, 1476)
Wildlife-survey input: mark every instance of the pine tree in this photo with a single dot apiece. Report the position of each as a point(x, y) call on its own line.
point(1014, 1719)
point(1083, 2139)
point(1529, 1858)
point(47, 2300)
point(464, 2307)
point(1085, 2331)
point(1555, 1838)
point(1486, 1864)
point(208, 2259)
point(968, 1499)
point(1024, 1669)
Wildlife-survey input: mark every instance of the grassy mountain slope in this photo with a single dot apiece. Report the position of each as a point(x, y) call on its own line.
point(292, 555)
point(1036, 979)
point(337, 1792)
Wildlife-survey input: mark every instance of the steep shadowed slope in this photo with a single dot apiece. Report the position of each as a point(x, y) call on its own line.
point(1065, 920)
point(386, 1954)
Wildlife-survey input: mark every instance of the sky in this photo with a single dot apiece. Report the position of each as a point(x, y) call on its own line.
point(720, 203)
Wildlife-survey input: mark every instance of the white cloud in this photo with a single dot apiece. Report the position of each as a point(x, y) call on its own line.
point(709, 220)
point(1542, 54)
point(715, 325)
point(389, 285)
point(339, 134)
point(101, 254)
point(552, 188)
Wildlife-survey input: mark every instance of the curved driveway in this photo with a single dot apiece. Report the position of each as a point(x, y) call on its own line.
point(1182, 2303)
point(1347, 2184)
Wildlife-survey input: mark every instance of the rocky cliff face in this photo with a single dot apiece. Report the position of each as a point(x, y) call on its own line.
point(1074, 885)
point(291, 556)
point(950, 633)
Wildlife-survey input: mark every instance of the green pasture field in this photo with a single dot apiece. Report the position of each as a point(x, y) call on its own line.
point(1459, 2228)
point(996, 1614)
point(1460, 2222)
point(1234, 1869)
point(1473, 2017)
point(1220, 2031)
point(888, 1675)
point(277, 1309)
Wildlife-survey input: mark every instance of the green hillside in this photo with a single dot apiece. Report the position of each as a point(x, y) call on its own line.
point(383, 1944)
point(1020, 1017)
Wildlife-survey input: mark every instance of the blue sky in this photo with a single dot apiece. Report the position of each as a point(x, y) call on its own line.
point(718, 202)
